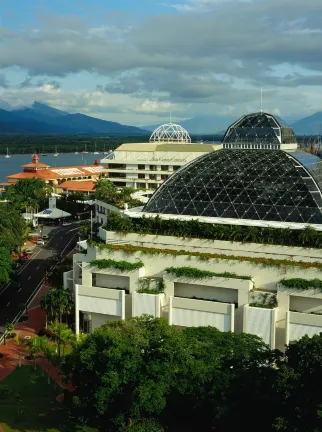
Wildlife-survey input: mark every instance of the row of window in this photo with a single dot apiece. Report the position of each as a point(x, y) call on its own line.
point(253, 146)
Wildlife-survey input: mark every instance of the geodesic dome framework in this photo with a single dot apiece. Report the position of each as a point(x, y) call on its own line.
point(258, 130)
point(245, 184)
point(169, 133)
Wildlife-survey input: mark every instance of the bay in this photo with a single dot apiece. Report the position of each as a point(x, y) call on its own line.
point(13, 165)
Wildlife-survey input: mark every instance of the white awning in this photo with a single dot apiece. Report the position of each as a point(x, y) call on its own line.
point(52, 213)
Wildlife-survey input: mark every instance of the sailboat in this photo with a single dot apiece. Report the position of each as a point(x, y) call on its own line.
point(56, 154)
point(85, 151)
point(96, 152)
point(7, 155)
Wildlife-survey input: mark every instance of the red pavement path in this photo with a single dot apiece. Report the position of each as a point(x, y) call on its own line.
point(10, 351)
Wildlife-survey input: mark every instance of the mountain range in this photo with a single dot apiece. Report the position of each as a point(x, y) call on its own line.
point(40, 118)
point(43, 119)
point(208, 125)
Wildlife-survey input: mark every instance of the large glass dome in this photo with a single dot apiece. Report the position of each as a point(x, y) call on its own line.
point(245, 184)
point(259, 131)
point(169, 133)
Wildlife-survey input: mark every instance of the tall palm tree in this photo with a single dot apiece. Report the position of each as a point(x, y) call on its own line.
point(55, 303)
point(20, 345)
point(63, 335)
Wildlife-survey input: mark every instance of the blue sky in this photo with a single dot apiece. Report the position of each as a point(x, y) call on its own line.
point(134, 61)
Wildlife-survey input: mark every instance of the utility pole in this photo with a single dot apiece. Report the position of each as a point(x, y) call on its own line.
point(91, 224)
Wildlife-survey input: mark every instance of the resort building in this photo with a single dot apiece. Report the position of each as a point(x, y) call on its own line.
point(147, 165)
point(61, 178)
point(181, 255)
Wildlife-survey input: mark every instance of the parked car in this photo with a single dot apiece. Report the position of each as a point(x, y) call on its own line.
point(66, 223)
point(40, 242)
point(44, 237)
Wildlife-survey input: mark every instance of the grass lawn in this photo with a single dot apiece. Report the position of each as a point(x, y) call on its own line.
point(39, 410)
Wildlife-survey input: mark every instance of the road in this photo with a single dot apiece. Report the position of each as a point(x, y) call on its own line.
point(62, 240)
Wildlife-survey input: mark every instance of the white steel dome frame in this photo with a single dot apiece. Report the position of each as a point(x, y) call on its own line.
point(170, 133)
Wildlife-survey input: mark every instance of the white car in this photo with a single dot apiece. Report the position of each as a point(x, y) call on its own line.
point(40, 242)
point(66, 223)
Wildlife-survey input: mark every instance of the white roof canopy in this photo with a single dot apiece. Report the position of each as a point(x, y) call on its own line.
point(52, 213)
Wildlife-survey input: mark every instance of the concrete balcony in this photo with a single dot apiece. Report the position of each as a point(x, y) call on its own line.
point(299, 324)
point(187, 312)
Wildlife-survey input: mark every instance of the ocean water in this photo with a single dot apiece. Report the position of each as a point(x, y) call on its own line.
point(13, 165)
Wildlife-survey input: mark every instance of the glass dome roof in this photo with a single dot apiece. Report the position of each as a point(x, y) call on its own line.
point(259, 128)
point(170, 133)
point(245, 184)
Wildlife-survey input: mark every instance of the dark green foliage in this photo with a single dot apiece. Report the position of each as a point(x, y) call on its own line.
point(107, 191)
point(120, 265)
point(302, 284)
point(195, 273)
point(307, 237)
point(130, 371)
point(28, 193)
point(299, 387)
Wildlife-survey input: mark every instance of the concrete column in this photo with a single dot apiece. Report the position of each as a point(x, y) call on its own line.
point(287, 328)
point(245, 317)
point(123, 304)
point(232, 317)
point(283, 308)
point(76, 311)
point(273, 329)
point(157, 306)
point(133, 303)
point(170, 310)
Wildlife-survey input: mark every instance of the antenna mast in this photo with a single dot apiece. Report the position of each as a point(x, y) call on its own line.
point(261, 100)
point(170, 117)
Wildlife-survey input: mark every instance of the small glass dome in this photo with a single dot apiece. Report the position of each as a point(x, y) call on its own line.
point(259, 131)
point(170, 133)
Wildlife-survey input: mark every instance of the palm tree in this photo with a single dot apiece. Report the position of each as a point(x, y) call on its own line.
point(45, 349)
point(63, 336)
point(20, 344)
point(55, 303)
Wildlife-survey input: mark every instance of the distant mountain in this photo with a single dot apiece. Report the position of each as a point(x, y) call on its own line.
point(310, 125)
point(41, 118)
point(203, 125)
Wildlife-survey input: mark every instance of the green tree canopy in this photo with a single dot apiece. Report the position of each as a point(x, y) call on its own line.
point(56, 302)
point(142, 369)
point(28, 193)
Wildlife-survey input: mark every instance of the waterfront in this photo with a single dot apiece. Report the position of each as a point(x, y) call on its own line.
point(13, 165)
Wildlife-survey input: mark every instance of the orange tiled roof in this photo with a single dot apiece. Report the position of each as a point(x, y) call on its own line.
point(78, 185)
point(35, 165)
point(59, 172)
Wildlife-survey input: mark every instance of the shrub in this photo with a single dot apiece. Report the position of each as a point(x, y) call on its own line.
point(302, 284)
point(120, 265)
point(196, 273)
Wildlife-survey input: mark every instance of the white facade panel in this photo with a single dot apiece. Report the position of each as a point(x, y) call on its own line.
point(194, 318)
point(259, 323)
point(145, 304)
point(100, 305)
point(297, 331)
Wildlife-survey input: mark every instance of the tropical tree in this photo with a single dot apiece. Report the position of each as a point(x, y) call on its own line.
point(28, 193)
point(33, 349)
point(143, 368)
point(20, 345)
point(63, 336)
point(55, 303)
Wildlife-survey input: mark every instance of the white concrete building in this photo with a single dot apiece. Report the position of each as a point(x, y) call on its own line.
point(221, 301)
point(147, 165)
point(272, 291)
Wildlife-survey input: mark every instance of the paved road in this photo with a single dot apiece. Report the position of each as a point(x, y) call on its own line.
point(62, 240)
